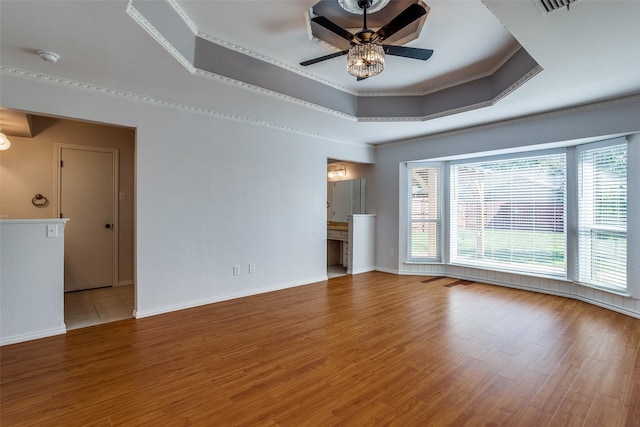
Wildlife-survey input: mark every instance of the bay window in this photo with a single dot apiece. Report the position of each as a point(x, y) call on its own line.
point(509, 214)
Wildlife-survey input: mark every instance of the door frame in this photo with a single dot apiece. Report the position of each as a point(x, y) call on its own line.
point(58, 147)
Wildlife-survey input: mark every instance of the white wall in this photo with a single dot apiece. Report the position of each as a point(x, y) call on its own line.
point(211, 193)
point(31, 279)
point(362, 239)
point(598, 121)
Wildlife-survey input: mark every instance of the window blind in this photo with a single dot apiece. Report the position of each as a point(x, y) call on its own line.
point(602, 216)
point(509, 214)
point(425, 214)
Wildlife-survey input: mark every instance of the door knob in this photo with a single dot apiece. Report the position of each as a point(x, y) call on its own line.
point(107, 225)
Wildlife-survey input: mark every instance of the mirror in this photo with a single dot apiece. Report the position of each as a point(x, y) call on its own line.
point(345, 198)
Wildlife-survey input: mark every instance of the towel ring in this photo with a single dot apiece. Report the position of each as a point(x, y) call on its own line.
point(39, 201)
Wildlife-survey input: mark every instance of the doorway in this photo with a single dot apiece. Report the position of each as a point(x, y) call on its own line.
point(95, 188)
point(346, 195)
point(31, 167)
point(87, 189)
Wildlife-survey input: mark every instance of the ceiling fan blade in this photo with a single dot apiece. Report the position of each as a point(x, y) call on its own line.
point(408, 52)
point(324, 58)
point(335, 28)
point(404, 18)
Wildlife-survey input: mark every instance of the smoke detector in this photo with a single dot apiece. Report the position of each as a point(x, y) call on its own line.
point(48, 56)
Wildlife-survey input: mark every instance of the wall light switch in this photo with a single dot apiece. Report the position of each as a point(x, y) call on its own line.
point(52, 230)
point(252, 269)
point(121, 195)
point(236, 270)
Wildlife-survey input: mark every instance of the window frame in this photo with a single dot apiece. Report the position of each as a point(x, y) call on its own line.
point(579, 277)
point(563, 274)
point(440, 222)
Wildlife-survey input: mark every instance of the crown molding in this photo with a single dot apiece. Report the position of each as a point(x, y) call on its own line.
point(429, 116)
point(261, 57)
point(220, 42)
point(256, 55)
point(522, 80)
point(187, 20)
point(358, 93)
point(294, 100)
point(429, 91)
point(157, 36)
point(125, 94)
point(518, 120)
point(271, 93)
point(306, 99)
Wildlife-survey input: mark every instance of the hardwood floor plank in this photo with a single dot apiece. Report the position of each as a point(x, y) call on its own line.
point(632, 397)
point(370, 349)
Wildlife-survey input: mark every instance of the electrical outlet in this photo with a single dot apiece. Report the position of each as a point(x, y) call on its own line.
point(252, 269)
point(390, 253)
point(236, 270)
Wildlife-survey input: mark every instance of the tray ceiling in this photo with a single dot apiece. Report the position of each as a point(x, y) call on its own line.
point(586, 55)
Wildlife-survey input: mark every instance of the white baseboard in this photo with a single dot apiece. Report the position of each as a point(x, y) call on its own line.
point(570, 295)
point(388, 270)
point(612, 307)
point(139, 314)
point(361, 270)
point(14, 339)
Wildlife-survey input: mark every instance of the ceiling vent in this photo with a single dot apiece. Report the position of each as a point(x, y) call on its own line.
point(547, 6)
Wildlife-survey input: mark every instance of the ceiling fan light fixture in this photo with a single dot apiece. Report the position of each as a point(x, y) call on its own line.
point(365, 60)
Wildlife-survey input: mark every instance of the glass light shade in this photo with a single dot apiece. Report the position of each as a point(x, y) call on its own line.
point(4, 142)
point(365, 60)
point(336, 173)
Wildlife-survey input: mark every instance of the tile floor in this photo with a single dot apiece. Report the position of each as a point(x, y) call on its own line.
point(95, 306)
point(336, 271)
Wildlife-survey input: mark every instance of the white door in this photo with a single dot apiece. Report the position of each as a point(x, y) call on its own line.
point(87, 198)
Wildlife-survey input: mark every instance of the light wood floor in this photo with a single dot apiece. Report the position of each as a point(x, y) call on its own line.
point(372, 349)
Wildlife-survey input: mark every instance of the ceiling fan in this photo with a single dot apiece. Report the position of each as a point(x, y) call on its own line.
point(365, 57)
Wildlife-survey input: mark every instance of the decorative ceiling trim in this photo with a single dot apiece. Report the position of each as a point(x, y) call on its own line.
point(518, 83)
point(120, 93)
point(302, 72)
point(429, 91)
point(238, 66)
point(187, 20)
point(153, 32)
point(429, 116)
point(268, 59)
point(518, 120)
point(271, 93)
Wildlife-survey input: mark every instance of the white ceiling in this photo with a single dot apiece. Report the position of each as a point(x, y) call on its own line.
point(588, 54)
